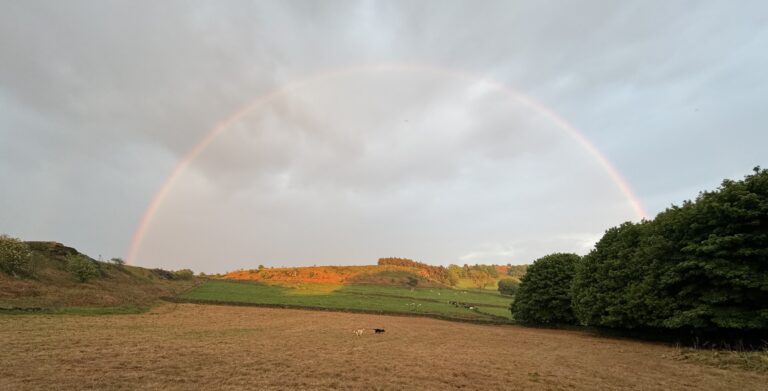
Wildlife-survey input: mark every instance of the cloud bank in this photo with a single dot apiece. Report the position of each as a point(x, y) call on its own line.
point(99, 101)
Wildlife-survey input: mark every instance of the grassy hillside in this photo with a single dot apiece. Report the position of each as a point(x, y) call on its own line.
point(419, 276)
point(116, 289)
point(364, 298)
point(51, 286)
point(368, 274)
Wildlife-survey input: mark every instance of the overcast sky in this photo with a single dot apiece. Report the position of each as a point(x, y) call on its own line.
point(415, 129)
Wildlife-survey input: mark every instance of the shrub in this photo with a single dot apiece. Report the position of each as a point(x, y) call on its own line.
point(163, 274)
point(544, 293)
point(184, 274)
point(81, 267)
point(508, 286)
point(15, 257)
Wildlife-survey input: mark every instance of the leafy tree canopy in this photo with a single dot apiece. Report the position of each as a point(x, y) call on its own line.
point(544, 293)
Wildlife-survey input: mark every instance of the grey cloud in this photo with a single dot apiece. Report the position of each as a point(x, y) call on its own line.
point(99, 101)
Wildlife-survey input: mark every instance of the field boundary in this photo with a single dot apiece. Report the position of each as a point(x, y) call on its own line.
point(496, 320)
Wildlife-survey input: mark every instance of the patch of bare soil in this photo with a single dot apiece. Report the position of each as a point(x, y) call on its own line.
point(186, 346)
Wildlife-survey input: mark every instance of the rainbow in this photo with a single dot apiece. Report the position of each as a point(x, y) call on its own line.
point(192, 154)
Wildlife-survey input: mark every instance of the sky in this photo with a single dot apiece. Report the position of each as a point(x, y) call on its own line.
point(222, 135)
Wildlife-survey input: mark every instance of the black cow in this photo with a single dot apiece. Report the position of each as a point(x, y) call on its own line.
point(378, 331)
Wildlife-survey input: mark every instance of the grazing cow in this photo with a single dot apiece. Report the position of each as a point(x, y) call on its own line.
point(378, 331)
point(359, 332)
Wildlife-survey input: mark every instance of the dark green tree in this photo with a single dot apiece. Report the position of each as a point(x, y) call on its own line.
point(544, 293)
point(702, 265)
point(618, 284)
point(508, 286)
point(719, 273)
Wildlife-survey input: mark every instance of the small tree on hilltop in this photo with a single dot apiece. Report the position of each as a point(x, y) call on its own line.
point(15, 257)
point(81, 267)
point(184, 274)
point(544, 293)
point(117, 261)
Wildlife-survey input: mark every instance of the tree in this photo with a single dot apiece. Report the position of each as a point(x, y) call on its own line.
point(15, 257)
point(508, 286)
point(516, 271)
point(702, 265)
point(453, 277)
point(81, 267)
point(489, 269)
point(718, 272)
point(480, 278)
point(117, 261)
point(544, 292)
point(618, 283)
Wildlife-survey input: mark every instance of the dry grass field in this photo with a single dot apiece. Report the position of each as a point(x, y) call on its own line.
point(187, 346)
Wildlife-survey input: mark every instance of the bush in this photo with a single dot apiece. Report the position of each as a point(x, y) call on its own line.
point(509, 286)
point(184, 274)
point(163, 274)
point(15, 257)
point(544, 293)
point(82, 268)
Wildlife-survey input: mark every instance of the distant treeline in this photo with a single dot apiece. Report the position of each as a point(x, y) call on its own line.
point(480, 275)
point(701, 266)
point(437, 273)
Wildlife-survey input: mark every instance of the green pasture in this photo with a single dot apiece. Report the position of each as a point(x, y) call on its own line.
point(378, 298)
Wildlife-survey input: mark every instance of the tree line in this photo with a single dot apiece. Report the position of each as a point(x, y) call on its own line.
point(481, 276)
point(702, 265)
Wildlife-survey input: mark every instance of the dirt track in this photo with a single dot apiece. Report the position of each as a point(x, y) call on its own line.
point(188, 346)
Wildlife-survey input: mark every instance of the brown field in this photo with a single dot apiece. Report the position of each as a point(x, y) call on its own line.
point(188, 346)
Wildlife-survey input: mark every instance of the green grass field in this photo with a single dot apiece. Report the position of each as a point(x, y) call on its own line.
point(466, 283)
point(378, 298)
